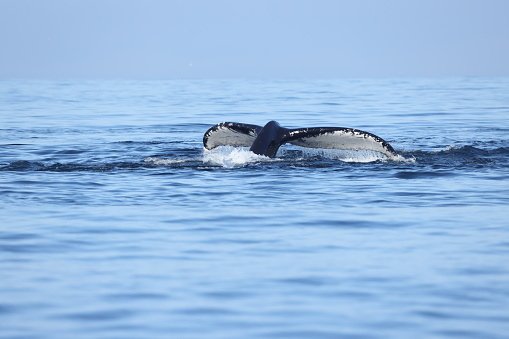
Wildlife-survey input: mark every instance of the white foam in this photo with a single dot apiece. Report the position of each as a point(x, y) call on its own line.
point(165, 162)
point(229, 157)
point(400, 158)
point(451, 148)
point(354, 156)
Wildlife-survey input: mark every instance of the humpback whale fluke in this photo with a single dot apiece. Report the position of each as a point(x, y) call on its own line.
point(266, 140)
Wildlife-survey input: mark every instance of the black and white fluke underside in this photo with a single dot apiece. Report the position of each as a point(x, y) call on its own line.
point(266, 140)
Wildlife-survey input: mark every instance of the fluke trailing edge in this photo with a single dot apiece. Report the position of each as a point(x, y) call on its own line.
point(266, 140)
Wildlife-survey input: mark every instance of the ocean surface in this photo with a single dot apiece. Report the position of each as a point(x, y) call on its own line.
point(115, 223)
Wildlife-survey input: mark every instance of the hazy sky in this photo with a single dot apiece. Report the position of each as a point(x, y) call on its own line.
point(253, 38)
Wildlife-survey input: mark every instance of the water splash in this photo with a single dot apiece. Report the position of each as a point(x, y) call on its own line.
point(361, 156)
point(229, 157)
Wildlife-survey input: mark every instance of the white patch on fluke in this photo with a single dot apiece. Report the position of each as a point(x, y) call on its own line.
point(348, 139)
point(230, 134)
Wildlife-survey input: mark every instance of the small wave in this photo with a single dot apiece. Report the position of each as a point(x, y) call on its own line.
point(23, 165)
point(423, 175)
point(462, 155)
point(474, 150)
point(464, 149)
point(34, 166)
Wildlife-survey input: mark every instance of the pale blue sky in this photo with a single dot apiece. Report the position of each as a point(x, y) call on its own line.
point(253, 38)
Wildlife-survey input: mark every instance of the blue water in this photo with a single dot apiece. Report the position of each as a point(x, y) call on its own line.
point(116, 224)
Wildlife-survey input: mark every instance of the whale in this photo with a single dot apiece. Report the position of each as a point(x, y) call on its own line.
point(266, 140)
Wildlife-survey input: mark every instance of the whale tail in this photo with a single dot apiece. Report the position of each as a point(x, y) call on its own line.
point(266, 140)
